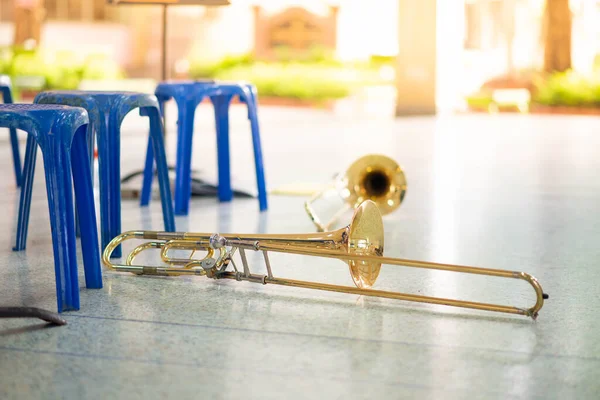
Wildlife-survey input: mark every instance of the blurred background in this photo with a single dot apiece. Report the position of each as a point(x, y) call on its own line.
point(396, 57)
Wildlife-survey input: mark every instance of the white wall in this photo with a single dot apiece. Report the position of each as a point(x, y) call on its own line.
point(7, 33)
point(450, 75)
point(110, 39)
point(586, 33)
point(364, 27)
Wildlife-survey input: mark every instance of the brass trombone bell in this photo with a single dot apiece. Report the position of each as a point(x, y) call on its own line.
point(359, 244)
point(372, 177)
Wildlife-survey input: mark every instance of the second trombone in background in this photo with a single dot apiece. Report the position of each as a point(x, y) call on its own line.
point(372, 177)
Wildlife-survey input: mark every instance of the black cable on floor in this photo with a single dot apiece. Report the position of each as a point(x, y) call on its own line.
point(198, 186)
point(31, 312)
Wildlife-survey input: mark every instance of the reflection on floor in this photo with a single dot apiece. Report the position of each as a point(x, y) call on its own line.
point(508, 192)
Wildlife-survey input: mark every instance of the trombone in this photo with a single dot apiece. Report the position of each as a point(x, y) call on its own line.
point(359, 244)
point(371, 177)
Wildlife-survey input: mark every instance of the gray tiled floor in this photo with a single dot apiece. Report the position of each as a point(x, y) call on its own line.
point(509, 192)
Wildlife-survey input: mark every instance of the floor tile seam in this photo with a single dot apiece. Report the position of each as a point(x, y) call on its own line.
point(185, 364)
point(341, 338)
point(277, 373)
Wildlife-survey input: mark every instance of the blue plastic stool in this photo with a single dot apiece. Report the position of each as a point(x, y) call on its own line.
point(5, 88)
point(107, 110)
point(61, 134)
point(188, 95)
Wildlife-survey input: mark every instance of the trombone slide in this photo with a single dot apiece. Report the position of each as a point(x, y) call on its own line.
point(359, 244)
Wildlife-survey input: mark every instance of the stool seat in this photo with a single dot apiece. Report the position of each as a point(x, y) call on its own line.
point(60, 133)
point(188, 95)
point(191, 89)
point(107, 109)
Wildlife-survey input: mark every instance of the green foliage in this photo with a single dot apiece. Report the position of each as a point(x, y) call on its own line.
point(480, 101)
point(61, 70)
point(28, 63)
point(209, 69)
point(568, 89)
point(100, 67)
point(292, 81)
point(5, 60)
point(316, 55)
point(596, 64)
point(316, 77)
point(379, 60)
point(322, 56)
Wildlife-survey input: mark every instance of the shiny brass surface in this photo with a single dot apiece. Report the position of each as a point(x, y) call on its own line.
point(372, 177)
point(360, 245)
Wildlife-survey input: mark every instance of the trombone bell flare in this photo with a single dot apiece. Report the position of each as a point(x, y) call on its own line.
point(359, 244)
point(378, 178)
point(365, 238)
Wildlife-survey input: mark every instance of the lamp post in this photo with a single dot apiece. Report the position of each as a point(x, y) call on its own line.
point(165, 4)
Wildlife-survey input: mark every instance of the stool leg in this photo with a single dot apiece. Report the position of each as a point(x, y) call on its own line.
point(183, 179)
point(84, 196)
point(221, 105)
point(90, 148)
point(90, 138)
point(148, 175)
point(104, 161)
point(258, 159)
point(27, 187)
point(156, 132)
point(14, 142)
point(114, 185)
point(59, 185)
point(146, 194)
